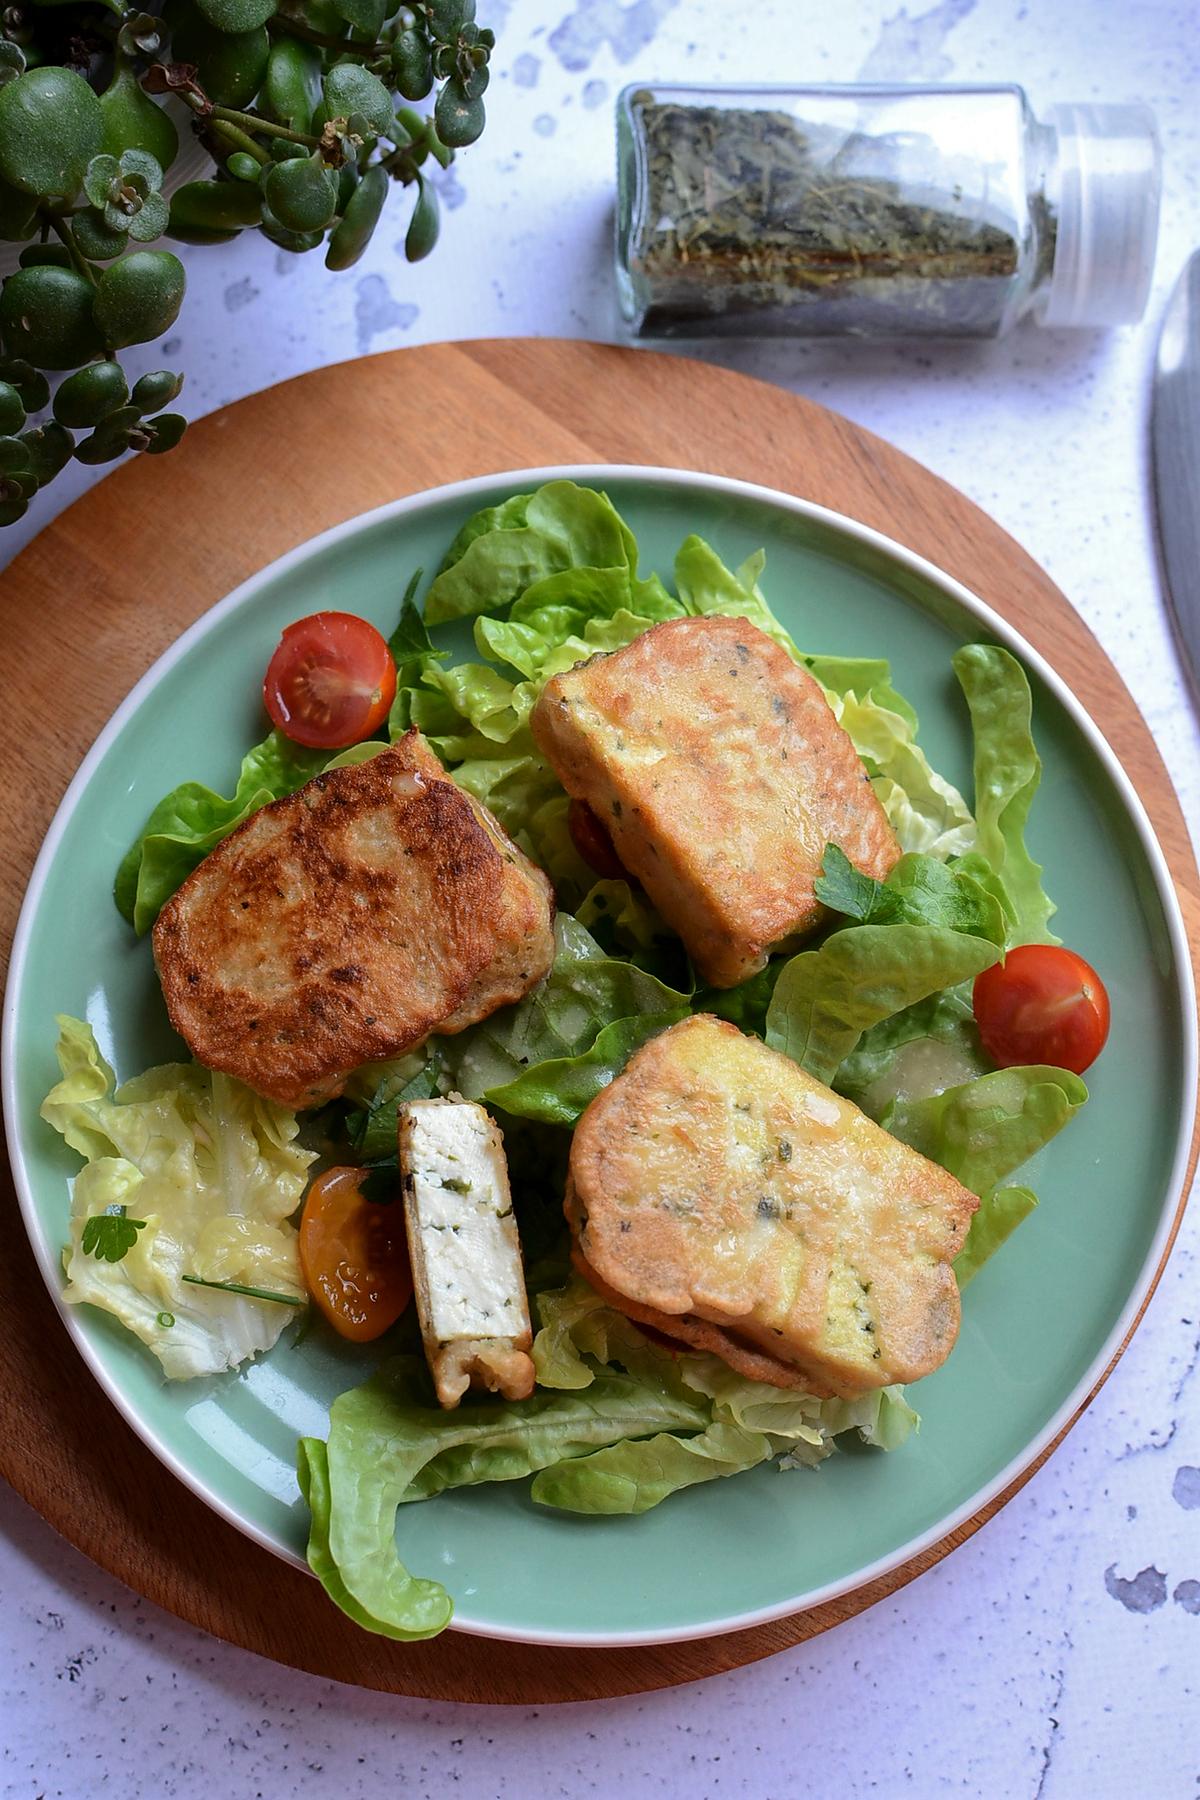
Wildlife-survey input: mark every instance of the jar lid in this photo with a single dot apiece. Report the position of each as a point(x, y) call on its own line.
point(1106, 197)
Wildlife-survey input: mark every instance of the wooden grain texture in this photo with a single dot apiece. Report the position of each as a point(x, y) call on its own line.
point(151, 548)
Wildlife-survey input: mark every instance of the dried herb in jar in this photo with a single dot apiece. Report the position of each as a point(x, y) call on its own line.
point(753, 218)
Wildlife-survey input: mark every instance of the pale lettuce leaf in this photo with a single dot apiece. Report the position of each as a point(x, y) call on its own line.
point(1008, 771)
point(215, 1172)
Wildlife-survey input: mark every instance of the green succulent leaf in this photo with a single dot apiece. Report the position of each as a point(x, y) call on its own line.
point(459, 118)
point(43, 256)
point(302, 195)
point(139, 297)
point(46, 317)
point(164, 433)
point(201, 210)
point(422, 232)
point(150, 220)
point(99, 178)
point(156, 390)
point(18, 214)
point(447, 17)
point(293, 82)
point(29, 382)
point(12, 412)
point(412, 65)
point(297, 242)
point(232, 16)
point(244, 167)
point(349, 88)
point(50, 449)
point(145, 167)
point(231, 65)
point(90, 395)
point(132, 121)
point(50, 128)
point(96, 239)
point(14, 457)
point(12, 61)
point(365, 16)
point(12, 510)
point(353, 232)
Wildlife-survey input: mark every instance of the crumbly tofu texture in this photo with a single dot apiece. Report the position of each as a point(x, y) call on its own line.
point(721, 1193)
point(466, 1256)
point(342, 925)
point(720, 772)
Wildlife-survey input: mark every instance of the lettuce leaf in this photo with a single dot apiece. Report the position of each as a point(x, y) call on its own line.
point(215, 1172)
point(389, 1445)
point(825, 999)
point(750, 1420)
point(597, 1439)
point(558, 1091)
point(706, 586)
point(1000, 1212)
point(932, 1045)
point(1008, 771)
point(633, 1477)
point(192, 819)
point(927, 813)
point(560, 527)
point(984, 1129)
point(585, 992)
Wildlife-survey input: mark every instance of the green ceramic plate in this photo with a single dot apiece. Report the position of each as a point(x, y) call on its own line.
point(1041, 1321)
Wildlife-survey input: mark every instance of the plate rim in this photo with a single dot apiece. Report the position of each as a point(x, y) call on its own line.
point(1021, 1466)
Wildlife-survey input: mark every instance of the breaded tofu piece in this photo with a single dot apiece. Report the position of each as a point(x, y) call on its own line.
point(722, 1195)
point(466, 1257)
point(715, 763)
point(345, 923)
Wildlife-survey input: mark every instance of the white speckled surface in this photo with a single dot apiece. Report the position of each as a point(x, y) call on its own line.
point(1058, 1653)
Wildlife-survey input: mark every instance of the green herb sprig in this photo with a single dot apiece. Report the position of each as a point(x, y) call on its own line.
point(249, 1293)
point(110, 1236)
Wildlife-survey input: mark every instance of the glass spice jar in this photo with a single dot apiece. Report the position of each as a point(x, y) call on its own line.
point(880, 211)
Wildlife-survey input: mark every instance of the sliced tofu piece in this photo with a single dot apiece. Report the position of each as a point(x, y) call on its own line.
point(714, 762)
point(721, 1194)
point(466, 1256)
point(343, 924)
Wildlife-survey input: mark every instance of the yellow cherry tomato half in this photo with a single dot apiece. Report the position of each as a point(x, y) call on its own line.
point(354, 1253)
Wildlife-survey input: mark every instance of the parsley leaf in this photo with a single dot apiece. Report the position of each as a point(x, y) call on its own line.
point(919, 891)
point(109, 1236)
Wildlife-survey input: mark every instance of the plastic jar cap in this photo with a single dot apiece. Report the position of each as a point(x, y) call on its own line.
point(1106, 199)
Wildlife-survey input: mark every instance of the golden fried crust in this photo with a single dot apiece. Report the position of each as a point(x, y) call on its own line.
point(715, 1180)
point(343, 924)
point(691, 1333)
point(718, 768)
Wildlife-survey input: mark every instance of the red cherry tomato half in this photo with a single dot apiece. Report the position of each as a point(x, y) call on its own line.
point(331, 681)
point(593, 843)
point(1043, 1004)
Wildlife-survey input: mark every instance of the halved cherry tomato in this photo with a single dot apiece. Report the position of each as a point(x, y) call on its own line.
point(1043, 1004)
point(590, 837)
point(331, 681)
point(354, 1254)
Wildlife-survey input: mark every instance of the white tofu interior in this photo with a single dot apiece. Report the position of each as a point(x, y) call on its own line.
point(462, 1234)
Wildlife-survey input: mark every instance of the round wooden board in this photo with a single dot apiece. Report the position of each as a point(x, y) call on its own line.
point(108, 585)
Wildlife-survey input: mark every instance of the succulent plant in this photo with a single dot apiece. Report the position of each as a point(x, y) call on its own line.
point(307, 111)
